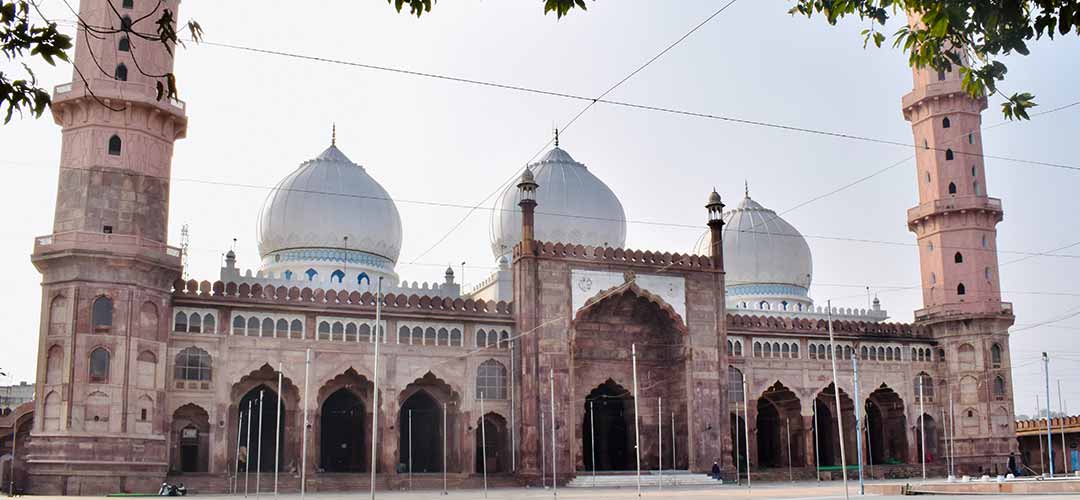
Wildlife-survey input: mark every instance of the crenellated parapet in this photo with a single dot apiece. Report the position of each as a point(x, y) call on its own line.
point(741, 322)
point(269, 294)
point(613, 255)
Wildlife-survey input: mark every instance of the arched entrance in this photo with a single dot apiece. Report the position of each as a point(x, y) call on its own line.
point(261, 453)
point(190, 430)
point(926, 422)
point(826, 435)
point(779, 427)
point(604, 329)
point(886, 426)
point(420, 425)
point(341, 432)
point(738, 436)
point(609, 409)
point(491, 430)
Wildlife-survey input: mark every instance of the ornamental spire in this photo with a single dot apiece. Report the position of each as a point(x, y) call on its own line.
point(746, 188)
point(333, 135)
point(556, 136)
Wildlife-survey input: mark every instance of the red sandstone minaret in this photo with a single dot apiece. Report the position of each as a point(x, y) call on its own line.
point(106, 269)
point(955, 224)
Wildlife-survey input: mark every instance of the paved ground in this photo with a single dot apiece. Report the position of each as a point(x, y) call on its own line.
point(794, 491)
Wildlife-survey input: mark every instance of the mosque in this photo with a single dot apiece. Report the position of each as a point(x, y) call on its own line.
point(562, 359)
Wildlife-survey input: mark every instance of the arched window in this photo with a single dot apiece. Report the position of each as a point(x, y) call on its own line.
point(926, 145)
point(115, 145)
point(281, 329)
point(362, 278)
point(958, 258)
point(914, 355)
point(324, 330)
point(941, 354)
point(491, 380)
point(738, 348)
point(338, 276)
point(757, 349)
point(888, 354)
point(481, 338)
point(180, 324)
point(763, 305)
point(813, 351)
point(847, 352)
point(783, 305)
point(121, 72)
point(124, 45)
point(337, 331)
point(193, 364)
point(995, 356)
point(287, 275)
point(975, 188)
point(973, 171)
point(730, 348)
point(928, 177)
point(128, 4)
point(209, 324)
point(195, 323)
point(768, 350)
point(504, 339)
point(455, 337)
point(363, 333)
point(735, 385)
point(99, 366)
point(125, 23)
point(881, 354)
point(267, 327)
point(984, 241)
point(960, 290)
point(945, 122)
point(311, 274)
point(253, 327)
point(776, 349)
point(296, 329)
point(999, 388)
point(101, 313)
point(971, 138)
point(795, 351)
point(444, 337)
point(238, 323)
point(952, 188)
point(429, 337)
point(927, 386)
point(785, 351)
point(350, 332)
point(403, 335)
point(863, 354)
point(948, 155)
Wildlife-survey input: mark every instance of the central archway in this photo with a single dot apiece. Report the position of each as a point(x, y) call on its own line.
point(604, 329)
point(421, 429)
point(887, 427)
point(609, 410)
point(342, 431)
point(779, 426)
point(826, 434)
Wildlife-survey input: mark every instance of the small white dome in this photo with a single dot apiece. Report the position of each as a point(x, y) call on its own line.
point(326, 199)
point(573, 206)
point(764, 255)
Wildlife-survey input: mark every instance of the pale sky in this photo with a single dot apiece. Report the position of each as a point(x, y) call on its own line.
point(254, 118)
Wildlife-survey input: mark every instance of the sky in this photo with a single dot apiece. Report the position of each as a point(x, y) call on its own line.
point(253, 118)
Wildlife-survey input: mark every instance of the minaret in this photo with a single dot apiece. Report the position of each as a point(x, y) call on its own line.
point(955, 225)
point(106, 269)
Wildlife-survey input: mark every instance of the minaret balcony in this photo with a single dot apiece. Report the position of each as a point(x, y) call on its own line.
point(115, 90)
point(952, 310)
point(120, 244)
point(954, 204)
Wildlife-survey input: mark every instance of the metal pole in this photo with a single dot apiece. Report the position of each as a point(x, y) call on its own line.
point(258, 460)
point(746, 425)
point(554, 460)
point(592, 441)
point(660, 441)
point(513, 421)
point(1042, 449)
point(444, 492)
point(869, 446)
point(277, 432)
point(303, 432)
point(952, 432)
point(858, 420)
point(922, 427)
point(410, 449)
point(1061, 406)
point(14, 442)
point(817, 458)
point(236, 464)
point(787, 425)
point(543, 448)
point(247, 459)
point(945, 428)
point(637, 434)
point(483, 443)
point(375, 391)
point(1049, 424)
point(738, 432)
point(836, 397)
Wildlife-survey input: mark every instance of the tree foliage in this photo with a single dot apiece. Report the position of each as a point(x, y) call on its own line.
point(22, 38)
point(968, 34)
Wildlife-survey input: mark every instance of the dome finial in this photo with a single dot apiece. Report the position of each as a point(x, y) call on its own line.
point(333, 135)
point(556, 136)
point(746, 188)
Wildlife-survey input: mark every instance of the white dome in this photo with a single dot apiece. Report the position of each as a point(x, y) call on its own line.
point(573, 206)
point(314, 208)
point(764, 255)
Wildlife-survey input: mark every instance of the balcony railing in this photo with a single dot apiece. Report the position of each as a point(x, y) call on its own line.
point(124, 243)
point(954, 204)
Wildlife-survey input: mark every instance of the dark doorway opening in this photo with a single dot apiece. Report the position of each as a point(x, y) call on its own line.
point(493, 433)
point(608, 410)
point(768, 435)
point(738, 436)
point(189, 449)
point(887, 426)
point(260, 455)
point(420, 437)
point(342, 433)
point(824, 432)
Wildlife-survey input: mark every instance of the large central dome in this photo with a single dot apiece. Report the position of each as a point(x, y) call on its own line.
point(328, 213)
point(573, 206)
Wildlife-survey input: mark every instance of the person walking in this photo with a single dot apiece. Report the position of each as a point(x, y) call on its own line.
point(716, 469)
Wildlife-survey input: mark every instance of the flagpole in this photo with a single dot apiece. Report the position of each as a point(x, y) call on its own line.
point(375, 392)
point(483, 443)
point(410, 450)
point(277, 432)
point(303, 432)
point(513, 421)
point(839, 410)
point(746, 426)
point(922, 426)
point(258, 460)
point(817, 458)
point(660, 441)
point(247, 461)
point(239, 428)
point(554, 459)
point(1064, 449)
point(858, 419)
point(637, 432)
point(592, 441)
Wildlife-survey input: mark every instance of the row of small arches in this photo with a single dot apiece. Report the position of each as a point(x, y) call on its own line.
point(776, 350)
point(194, 323)
point(348, 331)
point(451, 337)
point(252, 326)
point(338, 276)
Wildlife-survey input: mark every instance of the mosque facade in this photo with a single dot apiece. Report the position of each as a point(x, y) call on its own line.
point(573, 349)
